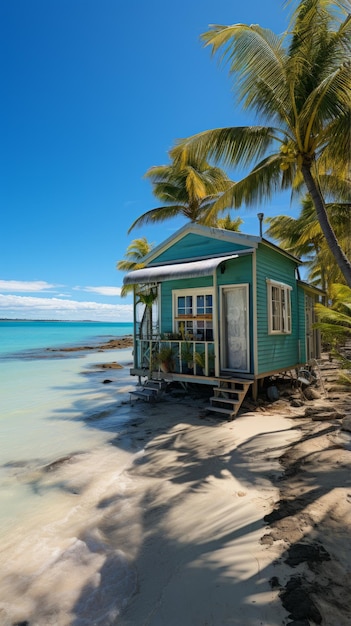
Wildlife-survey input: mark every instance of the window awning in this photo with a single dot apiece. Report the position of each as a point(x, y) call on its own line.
point(192, 269)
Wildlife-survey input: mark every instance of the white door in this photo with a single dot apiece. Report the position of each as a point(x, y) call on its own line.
point(235, 348)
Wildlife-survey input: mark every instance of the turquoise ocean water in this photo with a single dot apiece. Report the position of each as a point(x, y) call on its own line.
point(58, 427)
point(19, 336)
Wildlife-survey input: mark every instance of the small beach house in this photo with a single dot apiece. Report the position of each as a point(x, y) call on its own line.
point(218, 307)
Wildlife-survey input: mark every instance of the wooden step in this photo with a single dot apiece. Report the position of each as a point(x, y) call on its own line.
point(144, 394)
point(231, 414)
point(229, 392)
point(154, 384)
point(239, 381)
point(219, 392)
point(225, 400)
point(234, 387)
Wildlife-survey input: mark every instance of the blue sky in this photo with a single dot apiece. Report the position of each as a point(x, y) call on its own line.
point(95, 92)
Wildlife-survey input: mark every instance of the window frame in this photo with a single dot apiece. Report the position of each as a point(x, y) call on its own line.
point(194, 317)
point(284, 314)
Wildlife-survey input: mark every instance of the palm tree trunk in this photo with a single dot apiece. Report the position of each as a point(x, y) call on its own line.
point(317, 198)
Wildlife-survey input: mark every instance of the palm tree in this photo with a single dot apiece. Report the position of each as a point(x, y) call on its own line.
point(335, 320)
point(145, 295)
point(133, 260)
point(228, 223)
point(188, 187)
point(299, 85)
point(303, 237)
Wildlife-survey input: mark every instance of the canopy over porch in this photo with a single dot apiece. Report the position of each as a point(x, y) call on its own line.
point(189, 269)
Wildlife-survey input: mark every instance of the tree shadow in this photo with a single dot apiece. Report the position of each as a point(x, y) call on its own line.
point(177, 554)
point(313, 519)
point(142, 539)
point(198, 557)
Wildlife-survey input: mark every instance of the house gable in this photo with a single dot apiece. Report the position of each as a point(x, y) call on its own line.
point(196, 246)
point(195, 241)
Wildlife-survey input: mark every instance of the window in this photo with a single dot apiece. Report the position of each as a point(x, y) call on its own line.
point(279, 308)
point(193, 314)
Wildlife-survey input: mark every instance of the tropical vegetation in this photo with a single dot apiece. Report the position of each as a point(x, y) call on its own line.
point(335, 325)
point(229, 223)
point(133, 259)
point(303, 237)
point(298, 84)
point(188, 187)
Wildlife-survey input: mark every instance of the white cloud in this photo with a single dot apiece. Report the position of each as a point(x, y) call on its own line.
point(102, 291)
point(30, 307)
point(25, 285)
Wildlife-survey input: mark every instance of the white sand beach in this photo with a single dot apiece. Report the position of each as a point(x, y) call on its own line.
point(203, 551)
point(203, 523)
point(202, 490)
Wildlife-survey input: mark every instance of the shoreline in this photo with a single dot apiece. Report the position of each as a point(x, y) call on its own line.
point(62, 351)
point(125, 341)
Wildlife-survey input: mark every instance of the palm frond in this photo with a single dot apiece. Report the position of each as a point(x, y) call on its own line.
point(133, 260)
point(322, 106)
point(337, 140)
point(256, 58)
point(232, 146)
point(160, 214)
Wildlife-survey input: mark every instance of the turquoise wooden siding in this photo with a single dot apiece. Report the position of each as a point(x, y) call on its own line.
point(275, 351)
point(196, 246)
point(302, 323)
point(237, 271)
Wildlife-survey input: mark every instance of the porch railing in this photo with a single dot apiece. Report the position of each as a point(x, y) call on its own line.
point(175, 355)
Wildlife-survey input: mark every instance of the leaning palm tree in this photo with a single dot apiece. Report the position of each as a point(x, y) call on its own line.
point(303, 237)
point(133, 260)
point(187, 187)
point(299, 85)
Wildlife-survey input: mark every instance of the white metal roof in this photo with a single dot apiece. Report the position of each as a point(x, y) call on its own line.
point(192, 269)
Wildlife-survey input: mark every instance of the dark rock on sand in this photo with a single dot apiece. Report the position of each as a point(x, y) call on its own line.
point(346, 424)
point(311, 394)
point(297, 601)
point(323, 413)
point(306, 552)
point(297, 403)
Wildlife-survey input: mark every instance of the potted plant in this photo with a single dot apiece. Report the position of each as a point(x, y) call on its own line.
point(200, 360)
point(165, 358)
point(188, 354)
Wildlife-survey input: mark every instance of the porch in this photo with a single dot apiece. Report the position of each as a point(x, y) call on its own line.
point(171, 356)
point(185, 361)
